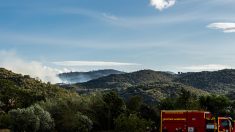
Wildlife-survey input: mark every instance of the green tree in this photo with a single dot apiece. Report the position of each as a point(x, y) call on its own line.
point(67, 114)
point(8, 95)
point(31, 119)
point(5, 121)
point(46, 122)
point(151, 114)
point(103, 109)
point(167, 104)
point(114, 106)
point(134, 103)
point(24, 120)
point(82, 123)
point(215, 103)
point(60, 112)
point(13, 96)
point(186, 100)
point(130, 123)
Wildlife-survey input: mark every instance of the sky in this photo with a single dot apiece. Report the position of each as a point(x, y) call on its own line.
point(47, 37)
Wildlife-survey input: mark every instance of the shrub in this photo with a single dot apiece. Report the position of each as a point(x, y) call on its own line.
point(24, 120)
point(4, 121)
point(31, 119)
point(128, 123)
point(82, 123)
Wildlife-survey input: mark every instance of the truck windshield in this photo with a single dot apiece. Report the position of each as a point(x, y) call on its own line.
point(224, 123)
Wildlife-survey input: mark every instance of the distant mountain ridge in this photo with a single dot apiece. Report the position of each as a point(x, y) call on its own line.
point(159, 85)
point(218, 82)
point(151, 85)
point(79, 77)
point(129, 79)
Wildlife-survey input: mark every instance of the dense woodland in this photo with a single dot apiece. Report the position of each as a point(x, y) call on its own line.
point(27, 104)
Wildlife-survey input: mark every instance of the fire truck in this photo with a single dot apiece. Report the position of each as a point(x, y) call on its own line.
point(194, 121)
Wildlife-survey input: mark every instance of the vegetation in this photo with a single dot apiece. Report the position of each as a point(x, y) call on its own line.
point(128, 79)
point(128, 123)
point(28, 105)
point(33, 118)
point(17, 91)
point(217, 82)
point(152, 86)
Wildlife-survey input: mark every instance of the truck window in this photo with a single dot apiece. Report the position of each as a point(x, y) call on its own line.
point(225, 123)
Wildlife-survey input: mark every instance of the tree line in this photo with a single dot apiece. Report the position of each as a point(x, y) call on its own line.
point(106, 111)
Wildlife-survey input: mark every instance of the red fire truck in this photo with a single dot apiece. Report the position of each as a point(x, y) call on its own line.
point(194, 121)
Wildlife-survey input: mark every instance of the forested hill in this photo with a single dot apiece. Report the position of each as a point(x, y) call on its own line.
point(157, 82)
point(151, 85)
point(18, 91)
point(218, 82)
point(78, 77)
point(129, 79)
point(222, 81)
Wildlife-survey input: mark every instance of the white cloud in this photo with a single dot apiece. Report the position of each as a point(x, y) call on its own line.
point(90, 13)
point(11, 61)
point(162, 4)
point(209, 67)
point(225, 27)
point(111, 17)
point(92, 63)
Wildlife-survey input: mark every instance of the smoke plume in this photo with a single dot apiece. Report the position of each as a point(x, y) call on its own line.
point(11, 61)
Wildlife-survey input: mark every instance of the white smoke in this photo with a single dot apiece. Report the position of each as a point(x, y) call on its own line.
point(10, 61)
point(162, 4)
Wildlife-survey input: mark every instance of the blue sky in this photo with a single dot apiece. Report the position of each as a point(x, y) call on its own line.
point(168, 35)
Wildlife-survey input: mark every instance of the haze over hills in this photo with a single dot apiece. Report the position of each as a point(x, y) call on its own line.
point(79, 77)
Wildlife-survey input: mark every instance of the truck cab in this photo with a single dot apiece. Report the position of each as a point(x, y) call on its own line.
point(194, 121)
point(225, 124)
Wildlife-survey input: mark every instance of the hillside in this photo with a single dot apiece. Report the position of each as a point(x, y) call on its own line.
point(151, 85)
point(128, 79)
point(155, 92)
point(164, 84)
point(219, 82)
point(168, 89)
point(78, 77)
point(17, 91)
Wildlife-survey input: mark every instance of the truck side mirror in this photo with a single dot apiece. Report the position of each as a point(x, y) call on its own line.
point(230, 123)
